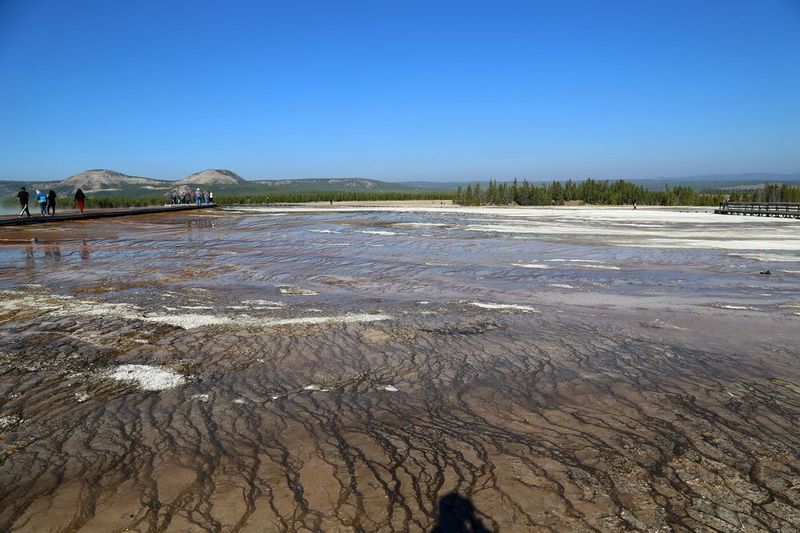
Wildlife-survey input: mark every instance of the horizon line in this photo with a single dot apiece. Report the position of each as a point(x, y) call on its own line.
point(741, 175)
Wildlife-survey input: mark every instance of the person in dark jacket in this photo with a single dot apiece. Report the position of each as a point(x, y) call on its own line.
point(51, 202)
point(24, 197)
point(80, 198)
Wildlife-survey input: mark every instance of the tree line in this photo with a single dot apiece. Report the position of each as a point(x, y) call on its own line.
point(619, 192)
point(594, 192)
point(64, 202)
point(343, 196)
point(591, 191)
point(772, 192)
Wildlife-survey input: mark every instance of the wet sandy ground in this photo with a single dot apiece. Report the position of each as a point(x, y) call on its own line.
point(383, 370)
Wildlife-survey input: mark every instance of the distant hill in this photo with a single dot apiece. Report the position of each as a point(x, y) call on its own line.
point(213, 177)
point(334, 184)
point(99, 182)
point(720, 181)
point(756, 177)
point(438, 185)
point(102, 180)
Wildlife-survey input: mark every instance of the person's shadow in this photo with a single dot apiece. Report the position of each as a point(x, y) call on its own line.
point(457, 515)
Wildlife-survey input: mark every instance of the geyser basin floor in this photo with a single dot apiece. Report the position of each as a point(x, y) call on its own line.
point(629, 385)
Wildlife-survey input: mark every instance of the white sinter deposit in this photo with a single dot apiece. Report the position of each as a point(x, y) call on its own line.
point(510, 307)
point(687, 227)
point(147, 377)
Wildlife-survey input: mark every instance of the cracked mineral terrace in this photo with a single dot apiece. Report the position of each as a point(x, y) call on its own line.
point(380, 369)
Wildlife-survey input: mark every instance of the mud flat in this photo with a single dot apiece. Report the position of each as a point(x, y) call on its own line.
point(399, 369)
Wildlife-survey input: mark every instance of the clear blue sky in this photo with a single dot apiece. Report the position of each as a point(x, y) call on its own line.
point(399, 90)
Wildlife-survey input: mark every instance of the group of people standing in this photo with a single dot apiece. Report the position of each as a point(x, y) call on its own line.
point(46, 201)
point(200, 197)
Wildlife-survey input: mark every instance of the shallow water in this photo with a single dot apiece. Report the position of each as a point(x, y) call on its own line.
point(8, 210)
point(302, 370)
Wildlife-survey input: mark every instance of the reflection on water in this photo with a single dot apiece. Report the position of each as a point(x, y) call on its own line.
point(399, 371)
point(52, 252)
point(404, 255)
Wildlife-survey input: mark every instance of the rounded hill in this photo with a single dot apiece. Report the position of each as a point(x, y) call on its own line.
point(105, 180)
point(213, 177)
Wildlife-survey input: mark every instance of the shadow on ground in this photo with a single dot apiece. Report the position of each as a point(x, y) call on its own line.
point(457, 515)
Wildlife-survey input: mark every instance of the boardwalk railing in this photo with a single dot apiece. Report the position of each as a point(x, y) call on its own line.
point(761, 209)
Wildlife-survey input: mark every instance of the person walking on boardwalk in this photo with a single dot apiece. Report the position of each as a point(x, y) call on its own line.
point(80, 198)
point(41, 197)
point(51, 202)
point(24, 197)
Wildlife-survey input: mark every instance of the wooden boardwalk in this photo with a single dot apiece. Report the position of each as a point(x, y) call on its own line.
point(760, 209)
point(14, 220)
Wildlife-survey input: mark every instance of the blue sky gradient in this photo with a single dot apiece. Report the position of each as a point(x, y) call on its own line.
point(399, 90)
